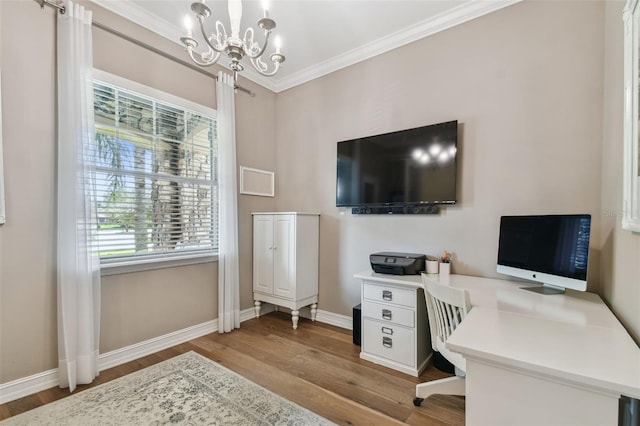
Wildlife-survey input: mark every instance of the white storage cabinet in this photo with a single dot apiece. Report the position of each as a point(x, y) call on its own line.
point(285, 261)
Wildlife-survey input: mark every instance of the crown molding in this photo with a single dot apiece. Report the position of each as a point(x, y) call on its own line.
point(139, 15)
point(455, 16)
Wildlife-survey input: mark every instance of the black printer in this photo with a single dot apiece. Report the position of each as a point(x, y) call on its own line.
point(397, 263)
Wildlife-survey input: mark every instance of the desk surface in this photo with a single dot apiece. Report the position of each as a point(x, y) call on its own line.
point(572, 336)
point(598, 357)
point(574, 307)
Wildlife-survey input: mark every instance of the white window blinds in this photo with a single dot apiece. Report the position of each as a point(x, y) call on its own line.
point(155, 176)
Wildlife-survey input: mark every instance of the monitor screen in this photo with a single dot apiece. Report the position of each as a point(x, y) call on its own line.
point(411, 166)
point(551, 249)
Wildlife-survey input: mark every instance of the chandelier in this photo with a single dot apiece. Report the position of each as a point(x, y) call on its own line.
point(232, 45)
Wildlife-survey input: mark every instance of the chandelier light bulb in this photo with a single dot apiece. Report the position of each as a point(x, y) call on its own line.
point(278, 43)
point(265, 7)
point(235, 15)
point(188, 24)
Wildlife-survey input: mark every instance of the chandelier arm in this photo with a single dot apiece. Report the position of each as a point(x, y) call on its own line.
point(262, 72)
point(264, 46)
point(206, 39)
point(219, 35)
point(204, 63)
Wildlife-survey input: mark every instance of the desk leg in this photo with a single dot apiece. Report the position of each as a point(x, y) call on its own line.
point(500, 396)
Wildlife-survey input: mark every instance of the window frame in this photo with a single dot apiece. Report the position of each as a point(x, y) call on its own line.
point(631, 147)
point(150, 262)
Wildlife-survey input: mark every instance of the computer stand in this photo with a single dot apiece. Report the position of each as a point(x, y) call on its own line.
point(545, 289)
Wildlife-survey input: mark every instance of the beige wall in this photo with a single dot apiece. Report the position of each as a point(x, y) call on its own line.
point(136, 306)
point(27, 294)
point(620, 275)
point(526, 83)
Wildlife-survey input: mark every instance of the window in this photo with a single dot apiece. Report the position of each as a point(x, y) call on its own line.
point(156, 173)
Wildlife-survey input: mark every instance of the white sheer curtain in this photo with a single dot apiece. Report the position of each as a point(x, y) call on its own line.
point(228, 281)
point(78, 262)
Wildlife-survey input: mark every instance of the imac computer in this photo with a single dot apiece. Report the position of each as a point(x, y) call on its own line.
point(550, 249)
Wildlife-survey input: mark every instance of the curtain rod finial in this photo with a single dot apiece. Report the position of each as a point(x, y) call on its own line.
point(56, 4)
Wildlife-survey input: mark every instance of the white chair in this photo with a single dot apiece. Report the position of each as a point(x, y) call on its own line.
point(446, 308)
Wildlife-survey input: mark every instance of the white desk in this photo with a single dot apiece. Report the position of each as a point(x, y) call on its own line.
point(542, 359)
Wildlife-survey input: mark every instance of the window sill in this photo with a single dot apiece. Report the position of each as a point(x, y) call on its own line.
point(127, 266)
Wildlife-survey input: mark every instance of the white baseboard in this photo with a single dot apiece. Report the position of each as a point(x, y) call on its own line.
point(28, 385)
point(338, 320)
point(138, 350)
point(48, 379)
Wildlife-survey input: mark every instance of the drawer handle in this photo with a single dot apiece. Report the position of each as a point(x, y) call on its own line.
point(387, 295)
point(386, 314)
point(387, 330)
point(387, 342)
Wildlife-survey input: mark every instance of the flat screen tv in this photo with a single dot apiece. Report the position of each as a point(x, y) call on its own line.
point(403, 168)
point(550, 249)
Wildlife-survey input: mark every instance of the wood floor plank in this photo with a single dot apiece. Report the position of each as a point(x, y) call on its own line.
point(316, 366)
point(345, 378)
point(440, 410)
point(273, 324)
point(340, 369)
point(317, 399)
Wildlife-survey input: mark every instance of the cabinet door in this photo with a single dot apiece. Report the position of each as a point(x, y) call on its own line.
point(263, 254)
point(284, 259)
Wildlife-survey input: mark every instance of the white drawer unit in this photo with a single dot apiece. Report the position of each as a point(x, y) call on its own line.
point(389, 294)
point(387, 313)
point(395, 328)
point(389, 341)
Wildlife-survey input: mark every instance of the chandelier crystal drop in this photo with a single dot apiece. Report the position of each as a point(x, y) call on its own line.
point(232, 45)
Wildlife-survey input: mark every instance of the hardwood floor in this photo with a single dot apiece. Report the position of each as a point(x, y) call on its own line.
point(317, 366)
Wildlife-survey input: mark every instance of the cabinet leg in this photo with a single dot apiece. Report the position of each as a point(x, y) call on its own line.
point(256, 307)
point(314, 311)
point(295, 316)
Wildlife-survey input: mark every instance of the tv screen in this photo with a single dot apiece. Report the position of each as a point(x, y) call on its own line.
point(414, 166)
point(551, 249)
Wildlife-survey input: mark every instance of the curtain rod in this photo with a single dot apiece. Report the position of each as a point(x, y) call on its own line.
point(51, 3)
point(144, 45)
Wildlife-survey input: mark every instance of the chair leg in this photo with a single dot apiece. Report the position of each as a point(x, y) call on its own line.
point(449, 386)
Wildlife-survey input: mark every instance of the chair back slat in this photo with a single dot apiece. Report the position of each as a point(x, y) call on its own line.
point(450, 306)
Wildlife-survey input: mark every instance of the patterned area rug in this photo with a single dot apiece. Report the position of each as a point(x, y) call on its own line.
point(188, 389)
